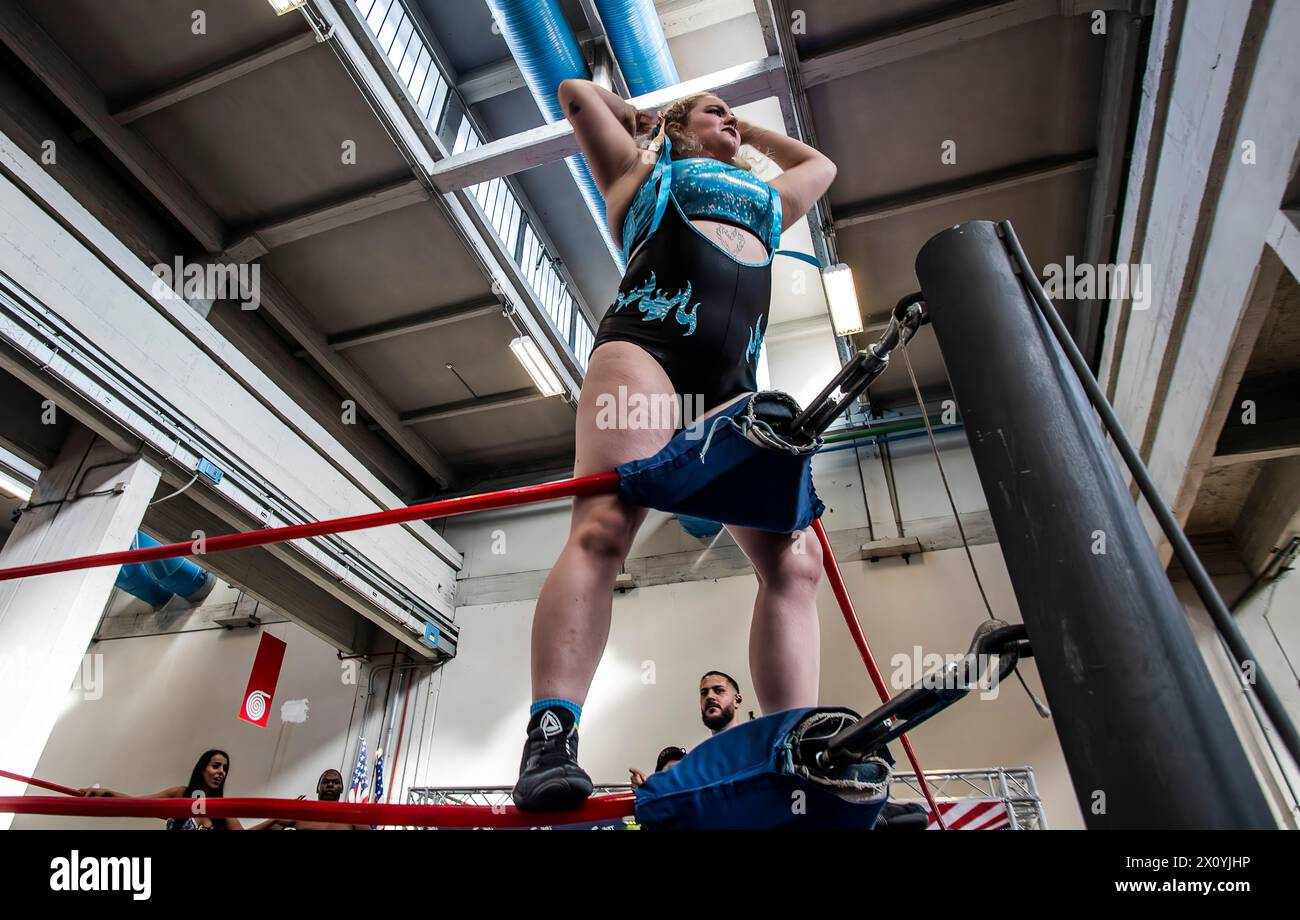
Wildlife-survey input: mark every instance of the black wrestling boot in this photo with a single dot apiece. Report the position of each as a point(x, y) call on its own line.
point(549, 776)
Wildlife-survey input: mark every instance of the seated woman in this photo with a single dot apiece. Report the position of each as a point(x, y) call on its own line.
point(699, 230)
point(207, 779)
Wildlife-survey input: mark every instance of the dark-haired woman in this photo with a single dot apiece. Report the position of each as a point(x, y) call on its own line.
point(207, 780)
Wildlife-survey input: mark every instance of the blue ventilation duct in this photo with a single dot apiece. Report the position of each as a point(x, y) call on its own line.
point(699, 527)
point(137, 582)
point(179, 576)
point(547, 53)
point(544, 47)
point(636, 38)
point(156, 582)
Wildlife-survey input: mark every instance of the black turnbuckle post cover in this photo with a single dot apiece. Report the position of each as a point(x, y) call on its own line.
point(1009, 642)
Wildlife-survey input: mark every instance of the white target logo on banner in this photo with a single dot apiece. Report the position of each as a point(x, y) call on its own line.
point(255, 705)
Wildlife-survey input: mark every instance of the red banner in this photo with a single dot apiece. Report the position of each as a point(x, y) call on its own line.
point(256, 707)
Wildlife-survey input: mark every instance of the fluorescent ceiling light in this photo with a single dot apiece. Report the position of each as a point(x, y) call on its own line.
point(11, 486)
point(285, 6)
point(846, 317)
point(530, 356)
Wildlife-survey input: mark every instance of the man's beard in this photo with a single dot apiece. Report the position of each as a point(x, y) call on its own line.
point(717, 719)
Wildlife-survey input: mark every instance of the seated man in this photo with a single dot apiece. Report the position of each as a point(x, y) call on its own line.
point(719, 697)
point(329, 788)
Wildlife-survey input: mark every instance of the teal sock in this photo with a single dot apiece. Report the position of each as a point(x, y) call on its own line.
point(563, 708)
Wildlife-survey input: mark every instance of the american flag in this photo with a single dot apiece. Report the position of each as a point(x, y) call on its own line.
point(971, 815)
point(379, 775)
point(358, 791)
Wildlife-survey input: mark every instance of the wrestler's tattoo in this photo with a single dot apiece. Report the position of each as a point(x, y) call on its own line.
point(574, 108)
point(731, 239)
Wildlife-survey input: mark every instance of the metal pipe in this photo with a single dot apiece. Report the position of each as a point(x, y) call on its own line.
point(1145, 734)
point(867, 431)
point(636, 36)
point(1214, 605)
point(859, 373)
point(547, 52)
point(890, 439)
point(370, 693)
point(862, 482)
point(887, 466)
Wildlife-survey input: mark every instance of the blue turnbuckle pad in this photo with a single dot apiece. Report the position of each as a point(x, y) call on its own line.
point(759, 776)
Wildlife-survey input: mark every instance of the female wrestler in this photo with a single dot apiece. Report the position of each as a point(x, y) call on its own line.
point(208, 778)
point(699, 230)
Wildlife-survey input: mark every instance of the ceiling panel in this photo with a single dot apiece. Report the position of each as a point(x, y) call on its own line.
point(827, 24)
point(1013, 97)
point(465, 31)
point(270, 144)
point(535, 430)
point(267, 146)
point(133, 48)
point(388, 267)
point(1048, 219)
point(411, 369)
point(1222, 494)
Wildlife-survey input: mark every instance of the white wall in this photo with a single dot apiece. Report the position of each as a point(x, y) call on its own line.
point(1269, 624)
point(665, 637)
point(801, 363)
point(165, 699)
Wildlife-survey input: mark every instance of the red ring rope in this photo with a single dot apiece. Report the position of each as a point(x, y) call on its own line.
point(864, 649)
point(32, 781)
point(581, 485)
point(598, 808)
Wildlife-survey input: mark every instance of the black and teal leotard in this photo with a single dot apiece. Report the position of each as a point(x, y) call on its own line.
point(697, 310)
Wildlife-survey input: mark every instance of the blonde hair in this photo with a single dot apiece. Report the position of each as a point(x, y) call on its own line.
point(676, 115)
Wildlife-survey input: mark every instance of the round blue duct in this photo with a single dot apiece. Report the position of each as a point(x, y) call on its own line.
point(156, 582)
point(137, 582)
point(179, 576)
point(547, 53)
point(636, 36)
point(699, 527)
point(544, 47)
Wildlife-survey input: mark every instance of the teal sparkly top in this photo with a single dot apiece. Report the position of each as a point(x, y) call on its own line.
point(706, 188)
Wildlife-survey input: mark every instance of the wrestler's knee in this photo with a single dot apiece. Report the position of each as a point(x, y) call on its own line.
point(795, 567)
point(605, 531)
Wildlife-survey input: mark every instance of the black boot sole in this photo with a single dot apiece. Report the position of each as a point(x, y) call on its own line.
point(556, 789)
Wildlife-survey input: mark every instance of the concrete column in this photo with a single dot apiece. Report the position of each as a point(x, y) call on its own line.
point(1271, 515)
point(47, 622)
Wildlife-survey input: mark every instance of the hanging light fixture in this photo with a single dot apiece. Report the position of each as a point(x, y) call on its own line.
point(285, 6)
point(535, 363)
point(846, 316)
